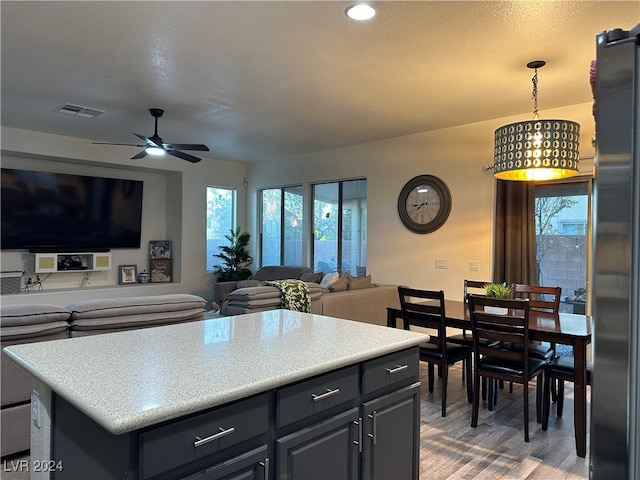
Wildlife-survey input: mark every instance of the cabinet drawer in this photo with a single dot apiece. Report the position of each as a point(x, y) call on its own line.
point(183, 441)
point(316, 395)
point(390, 370)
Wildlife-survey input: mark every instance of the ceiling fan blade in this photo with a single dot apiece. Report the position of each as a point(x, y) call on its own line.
point(148, 141)
point(123, 144)
point(186, 146)
point(184, 156)
point(142, 154)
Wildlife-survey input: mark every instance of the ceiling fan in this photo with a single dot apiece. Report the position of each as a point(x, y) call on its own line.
point(155, 146)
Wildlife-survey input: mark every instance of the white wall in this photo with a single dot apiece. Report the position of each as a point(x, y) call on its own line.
point(175, 206)
point(456, 155)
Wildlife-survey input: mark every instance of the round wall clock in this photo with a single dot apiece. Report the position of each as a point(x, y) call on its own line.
point(424, 204)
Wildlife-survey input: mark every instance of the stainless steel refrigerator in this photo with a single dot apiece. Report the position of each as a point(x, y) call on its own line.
point(615, 399)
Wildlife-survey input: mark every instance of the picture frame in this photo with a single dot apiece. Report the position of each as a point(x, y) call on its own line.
point(127, 274)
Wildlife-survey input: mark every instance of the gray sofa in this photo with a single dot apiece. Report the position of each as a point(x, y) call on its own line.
point(352, 298)
point(273, 272)
point(28, 323)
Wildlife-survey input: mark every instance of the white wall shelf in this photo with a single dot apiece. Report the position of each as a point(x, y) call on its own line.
point(71, 262)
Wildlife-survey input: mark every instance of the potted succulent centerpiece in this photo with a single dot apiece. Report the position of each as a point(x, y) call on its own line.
point(235, 257)
point(497, 290)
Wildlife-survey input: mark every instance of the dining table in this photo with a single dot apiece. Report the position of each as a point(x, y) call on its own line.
point(560, 328)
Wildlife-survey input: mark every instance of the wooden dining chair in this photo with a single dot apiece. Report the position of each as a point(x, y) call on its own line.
point(470, 286)
point(540, 298)
point(465, 338)
point(560, 369)
point(425, 308)
point(503, 362)
point(546, 299)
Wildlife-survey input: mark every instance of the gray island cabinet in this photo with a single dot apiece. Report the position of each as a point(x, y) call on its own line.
point(275, 394)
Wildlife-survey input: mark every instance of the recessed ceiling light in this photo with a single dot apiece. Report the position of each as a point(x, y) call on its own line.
point(360, 11)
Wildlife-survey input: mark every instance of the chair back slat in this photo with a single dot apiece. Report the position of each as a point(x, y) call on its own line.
point(427, 315)
point(511, 328)
point(475, 287)
point(540, 297)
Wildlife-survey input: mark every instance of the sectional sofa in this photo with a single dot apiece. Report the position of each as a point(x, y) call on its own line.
point(352, 298)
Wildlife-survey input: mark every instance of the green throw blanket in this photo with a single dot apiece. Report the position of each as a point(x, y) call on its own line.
point(294, 294)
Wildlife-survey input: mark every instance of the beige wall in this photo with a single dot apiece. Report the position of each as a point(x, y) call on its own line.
point(174, 202)
point(458, 156)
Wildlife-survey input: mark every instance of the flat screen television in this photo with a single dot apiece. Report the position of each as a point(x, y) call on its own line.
point(58, 212)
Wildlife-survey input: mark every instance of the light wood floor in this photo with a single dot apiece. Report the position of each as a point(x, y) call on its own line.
point(495, 449)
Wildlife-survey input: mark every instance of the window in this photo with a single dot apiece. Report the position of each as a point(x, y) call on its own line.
point(282, 226)
point(563, 240)
point(340, 227)
point(221, 218)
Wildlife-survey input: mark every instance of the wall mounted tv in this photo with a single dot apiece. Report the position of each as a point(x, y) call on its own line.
point(57, 212)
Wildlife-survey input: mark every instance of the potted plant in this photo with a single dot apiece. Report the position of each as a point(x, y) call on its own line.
point(497, 290)
point(235, 257)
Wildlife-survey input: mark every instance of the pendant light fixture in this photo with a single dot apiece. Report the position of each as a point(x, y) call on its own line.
point(536, 149)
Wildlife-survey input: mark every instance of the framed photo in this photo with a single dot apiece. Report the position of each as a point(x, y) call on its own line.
point(127, 274)
point(160, 269)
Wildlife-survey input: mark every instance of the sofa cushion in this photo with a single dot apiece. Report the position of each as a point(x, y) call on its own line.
point(119, 307)
point(280, 272)
point(32, 313)
point(315, 291)
point(142, 320)
point(339, 285)
point(357, 283)
point(35, 331)
point(251, 294)
point(311, 277)
point(248, 283)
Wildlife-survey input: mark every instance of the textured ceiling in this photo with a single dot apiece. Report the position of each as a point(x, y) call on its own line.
point(262, 80)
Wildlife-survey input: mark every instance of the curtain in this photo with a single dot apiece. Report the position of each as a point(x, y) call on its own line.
point(514, 259)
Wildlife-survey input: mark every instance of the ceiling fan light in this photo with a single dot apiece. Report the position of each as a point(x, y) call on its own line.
point(360, 11)
point(155, 151)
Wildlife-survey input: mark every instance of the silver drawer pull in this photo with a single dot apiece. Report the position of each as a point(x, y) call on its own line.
point(399, 368)
point(201, 441)
point(324, 395)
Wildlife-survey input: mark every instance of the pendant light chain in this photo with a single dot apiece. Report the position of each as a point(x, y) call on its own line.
point(534, 94)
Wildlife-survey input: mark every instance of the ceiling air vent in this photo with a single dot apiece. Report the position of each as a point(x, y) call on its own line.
point(78, 111)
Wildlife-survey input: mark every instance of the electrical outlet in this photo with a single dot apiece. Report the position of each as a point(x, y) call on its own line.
point(442, 263)
point(474, 266)
point(35, 408)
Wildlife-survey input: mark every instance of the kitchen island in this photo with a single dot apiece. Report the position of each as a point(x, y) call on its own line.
point(269, 394)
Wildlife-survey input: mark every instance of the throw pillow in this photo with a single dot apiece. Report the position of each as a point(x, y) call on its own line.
point(329, 278)
point(311, 277)
point(357, 283)
point(340, 285)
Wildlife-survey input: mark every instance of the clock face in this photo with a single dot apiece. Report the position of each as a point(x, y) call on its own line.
point(424, 204)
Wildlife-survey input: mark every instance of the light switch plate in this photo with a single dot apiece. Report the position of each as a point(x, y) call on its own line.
point(442, 263)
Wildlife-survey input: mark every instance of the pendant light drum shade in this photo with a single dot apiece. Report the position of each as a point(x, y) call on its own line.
point(536, 150)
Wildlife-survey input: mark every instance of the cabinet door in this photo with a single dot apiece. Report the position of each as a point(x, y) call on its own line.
point(392, 435)
point(253, 465)
point(324, 451)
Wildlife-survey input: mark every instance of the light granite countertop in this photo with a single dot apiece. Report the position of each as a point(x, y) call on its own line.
point(133, 379)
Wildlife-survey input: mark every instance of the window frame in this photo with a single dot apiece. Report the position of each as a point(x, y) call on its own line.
point(233, 217)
